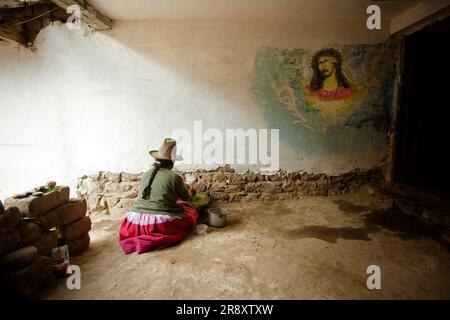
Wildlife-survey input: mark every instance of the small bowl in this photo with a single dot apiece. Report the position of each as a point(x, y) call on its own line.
point(200, 229)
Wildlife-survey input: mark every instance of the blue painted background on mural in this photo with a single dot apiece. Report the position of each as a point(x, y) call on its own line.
point(312, 122)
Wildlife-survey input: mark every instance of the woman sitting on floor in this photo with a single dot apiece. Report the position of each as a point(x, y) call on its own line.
point(161, 215)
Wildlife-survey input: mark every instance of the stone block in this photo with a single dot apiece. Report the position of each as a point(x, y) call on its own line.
point(251, 176)
point(219, 177)
point(225, 168)
point(289, 186)
point(29, 232)
point(72, 210)
point(113, 177)
point(35, 206)
point(9, 241)
point(250, 187)
point(32, 279)
point(131, 177)
point(233, 188)
point(200, 186)
point(113, 188)
point(269, 187)
point(75, 229)
point(220, 196)
point(88, 186)
point(217, 187)
point(207, 177)
point(237, 178)
point(293, 175)
point(125, 204)
point(310, 177)
point(112, 201)
point(96, 176)
point(47, 241)
point(279, 176)
point(94, 202)
point(78, 245)
point(18, 259)
point(130, 194)
point(9, 219)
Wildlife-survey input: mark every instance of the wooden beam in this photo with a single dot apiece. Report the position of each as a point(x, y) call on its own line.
point(12, 4)
point(12, 34)
point(89, 15)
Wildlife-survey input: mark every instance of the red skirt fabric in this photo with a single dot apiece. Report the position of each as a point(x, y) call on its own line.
point(141, 232)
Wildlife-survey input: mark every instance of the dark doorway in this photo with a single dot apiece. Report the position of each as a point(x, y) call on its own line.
point(422, 151)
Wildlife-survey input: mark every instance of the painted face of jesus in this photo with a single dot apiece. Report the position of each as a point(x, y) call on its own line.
point(326, 65)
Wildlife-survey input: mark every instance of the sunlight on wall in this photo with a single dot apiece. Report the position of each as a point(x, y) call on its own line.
point(85, 103)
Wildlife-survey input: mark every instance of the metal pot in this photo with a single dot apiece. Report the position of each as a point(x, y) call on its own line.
point(217, 217)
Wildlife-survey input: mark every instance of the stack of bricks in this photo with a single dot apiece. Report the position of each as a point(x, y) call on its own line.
point(30, 228)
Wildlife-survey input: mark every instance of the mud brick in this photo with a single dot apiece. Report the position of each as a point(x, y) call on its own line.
point(9, 219)
point(75, 229)
point(78, 245)
point(69, 212)
point(46, 242)
point(18, 259)
point(29, 232)
point(35, 206)
point(32, 279)
point(9, 241)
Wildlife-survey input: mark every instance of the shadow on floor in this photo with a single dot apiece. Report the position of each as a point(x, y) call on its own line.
point(349, 207)
point(391, 219)
point(330, 234)
point(402, 226)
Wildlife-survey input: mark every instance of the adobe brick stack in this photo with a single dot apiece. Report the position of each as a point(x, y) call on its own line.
point(30, 228)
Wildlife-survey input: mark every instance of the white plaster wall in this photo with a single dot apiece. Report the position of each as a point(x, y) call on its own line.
point(89, 102)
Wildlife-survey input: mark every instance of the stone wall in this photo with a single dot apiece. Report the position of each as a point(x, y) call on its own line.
point(114, 193)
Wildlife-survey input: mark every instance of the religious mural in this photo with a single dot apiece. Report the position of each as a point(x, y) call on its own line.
point(332, 100)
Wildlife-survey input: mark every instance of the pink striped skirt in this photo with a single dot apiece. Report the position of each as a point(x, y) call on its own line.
point(141, 232)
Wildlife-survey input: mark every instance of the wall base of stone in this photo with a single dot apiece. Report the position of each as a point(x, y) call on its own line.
point(108, 192)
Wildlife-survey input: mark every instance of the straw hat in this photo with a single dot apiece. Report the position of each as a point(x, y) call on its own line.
point(167, 151)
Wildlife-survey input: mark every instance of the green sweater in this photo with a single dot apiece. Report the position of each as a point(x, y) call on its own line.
point(167, 188)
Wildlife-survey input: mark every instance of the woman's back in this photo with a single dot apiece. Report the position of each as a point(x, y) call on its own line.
point(166, 189)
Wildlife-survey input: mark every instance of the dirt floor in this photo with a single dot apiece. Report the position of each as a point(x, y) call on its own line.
point(312, 248)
